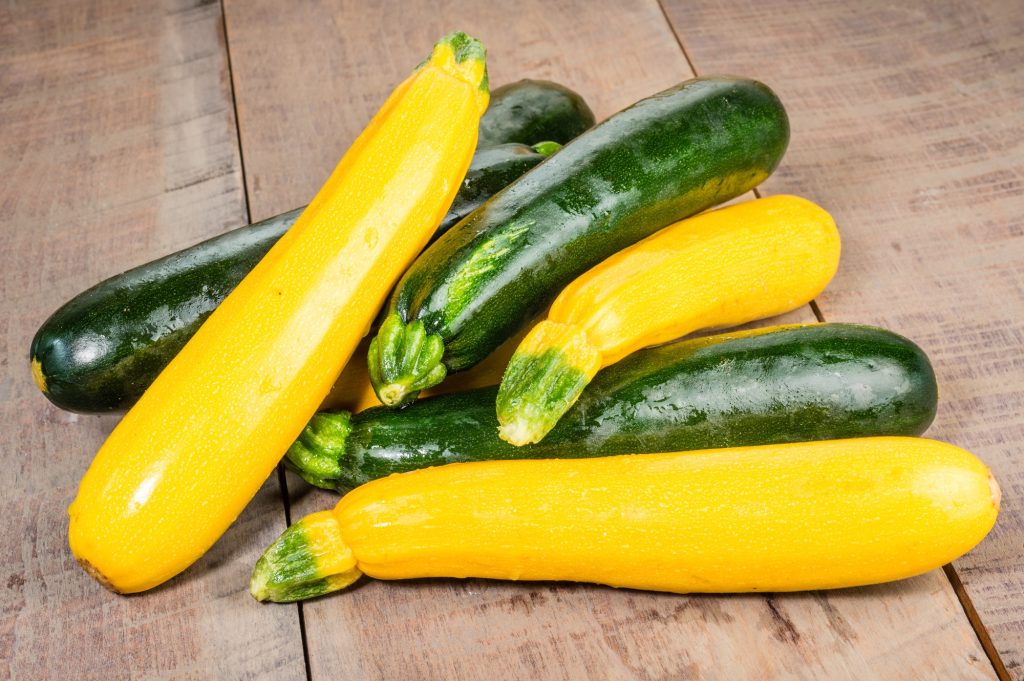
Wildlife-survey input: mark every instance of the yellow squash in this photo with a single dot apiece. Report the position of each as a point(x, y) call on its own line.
point(166, 484)
point(813, 515)
point(719, 269)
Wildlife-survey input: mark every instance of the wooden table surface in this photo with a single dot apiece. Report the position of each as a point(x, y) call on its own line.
point(132, 129)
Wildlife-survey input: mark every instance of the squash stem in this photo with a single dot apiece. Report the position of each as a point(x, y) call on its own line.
point(544, 378)
point(309, 559)
point(464, 57)
point(546, 148)
point(403, 360)
point(319, 452)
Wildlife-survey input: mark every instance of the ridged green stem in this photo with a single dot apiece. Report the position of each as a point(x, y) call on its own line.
point(535, 392)
point(546, 148)
point(468, 48)
point(403, 360)
point(318, 452)
point(308, 560)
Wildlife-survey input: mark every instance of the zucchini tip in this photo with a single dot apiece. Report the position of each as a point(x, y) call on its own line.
point(403, 360)
point(309, 559)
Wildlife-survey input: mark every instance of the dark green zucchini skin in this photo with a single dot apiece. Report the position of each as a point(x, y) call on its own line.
point(531, 111)
point(785, 384)
point(665, 158)
point(101, 350)
point(492, 169)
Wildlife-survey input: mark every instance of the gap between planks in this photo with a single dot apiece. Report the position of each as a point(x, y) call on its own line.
point(980, 630)
point(282, 482)
point(970, 612)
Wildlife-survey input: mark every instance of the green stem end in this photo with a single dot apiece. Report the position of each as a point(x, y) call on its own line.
point(319, 452)
point(544, 378)
point(464, 48)
point(309, 559)
point(545, 149)
point(403, 360)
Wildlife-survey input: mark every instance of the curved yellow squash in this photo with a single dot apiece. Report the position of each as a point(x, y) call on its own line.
point(166, 484)
point(814, 515)
point(727, 267)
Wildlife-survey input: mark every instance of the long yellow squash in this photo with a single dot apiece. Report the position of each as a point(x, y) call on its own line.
point(166, 484)
point(727, 267)
point(814, 515)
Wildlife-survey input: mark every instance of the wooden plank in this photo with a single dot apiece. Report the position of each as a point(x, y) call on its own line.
point(117, 144)
point(908, 126)
point(298, 108)
point(309, 75)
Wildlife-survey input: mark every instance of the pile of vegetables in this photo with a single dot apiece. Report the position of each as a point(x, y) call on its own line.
point(473, 333)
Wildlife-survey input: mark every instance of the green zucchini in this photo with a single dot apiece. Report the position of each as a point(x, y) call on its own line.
point(99, 351)
point(529, 111)
point(103, 348)
point(493, 169)
point(663, 159)
point(774, 385)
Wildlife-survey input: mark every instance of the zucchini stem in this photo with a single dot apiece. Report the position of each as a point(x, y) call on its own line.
point(544, 378)
point(464, 57)
point(546, 148)
point(403, 360)
point(318, 452)
point(309, 559)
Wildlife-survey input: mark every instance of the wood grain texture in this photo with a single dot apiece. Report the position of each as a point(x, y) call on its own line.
point(117, 144)
point(298, 109)
point(309, 76)
point(909, 126)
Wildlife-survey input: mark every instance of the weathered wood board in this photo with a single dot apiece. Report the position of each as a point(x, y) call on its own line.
point(117, 145)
